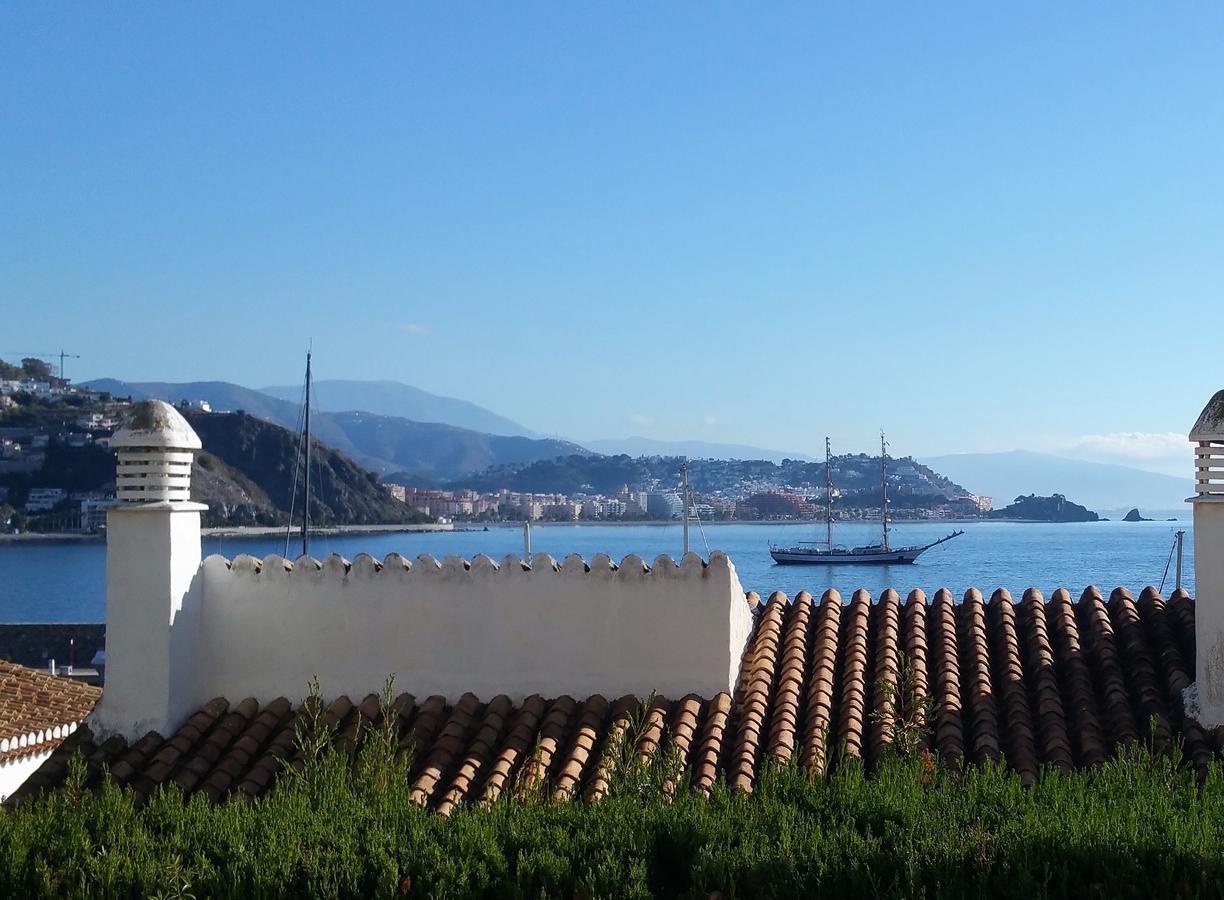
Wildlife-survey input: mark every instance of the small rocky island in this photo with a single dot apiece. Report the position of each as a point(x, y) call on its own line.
point(1055, 508)
point(1133, 516)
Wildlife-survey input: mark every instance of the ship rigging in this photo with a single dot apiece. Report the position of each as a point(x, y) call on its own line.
point(811, 552)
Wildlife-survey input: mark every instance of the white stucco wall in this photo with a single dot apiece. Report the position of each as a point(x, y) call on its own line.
point(447, 628)
point(13, 773)
point(180, 631)
point(1209, 611)
point(152, 570)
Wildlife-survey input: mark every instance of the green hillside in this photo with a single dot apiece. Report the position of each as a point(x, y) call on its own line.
point(264, 455)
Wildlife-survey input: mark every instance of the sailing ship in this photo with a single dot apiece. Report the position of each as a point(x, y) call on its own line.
point(883, 553)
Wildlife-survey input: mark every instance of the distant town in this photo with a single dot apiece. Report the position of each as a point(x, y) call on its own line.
point(742, 502)
point(56, 475)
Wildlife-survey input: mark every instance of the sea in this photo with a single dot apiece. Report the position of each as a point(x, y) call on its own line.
point(64, 581)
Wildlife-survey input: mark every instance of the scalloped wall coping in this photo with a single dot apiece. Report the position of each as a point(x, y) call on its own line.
point(393, 564)
point(266, 627)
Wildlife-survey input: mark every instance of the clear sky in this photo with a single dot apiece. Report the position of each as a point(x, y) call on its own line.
point(980, 227)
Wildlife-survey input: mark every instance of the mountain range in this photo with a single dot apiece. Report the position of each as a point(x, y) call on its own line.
point(403, 401)
point(426, 438)
point(427, 451)
point(247, 469)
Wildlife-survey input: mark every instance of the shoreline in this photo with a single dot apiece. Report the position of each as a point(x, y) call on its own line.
point(325, 530)
point(476, 526)
point(52, 537)
point(68, 537)
point(244, 531)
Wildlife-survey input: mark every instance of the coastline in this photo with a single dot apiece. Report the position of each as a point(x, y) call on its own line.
point(53, 537)
point(662, 523)
point(275, 530)
point(239, 531)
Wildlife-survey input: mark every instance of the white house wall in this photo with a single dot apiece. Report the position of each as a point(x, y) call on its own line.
point(448, 628)
point(13, 773)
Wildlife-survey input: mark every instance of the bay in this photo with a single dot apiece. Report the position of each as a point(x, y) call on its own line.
point(64, 582)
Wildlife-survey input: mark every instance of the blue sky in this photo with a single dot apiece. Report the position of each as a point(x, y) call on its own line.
point(979, 227)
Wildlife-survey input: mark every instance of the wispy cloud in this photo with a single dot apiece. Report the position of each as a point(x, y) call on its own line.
point(414, 328)
point(709, 421)
point(639, 419)
point(1158, 451)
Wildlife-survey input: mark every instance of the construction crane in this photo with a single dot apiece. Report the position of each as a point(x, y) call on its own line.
point(62, 354)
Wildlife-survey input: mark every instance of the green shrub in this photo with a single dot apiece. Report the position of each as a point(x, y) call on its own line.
point(1137, 826)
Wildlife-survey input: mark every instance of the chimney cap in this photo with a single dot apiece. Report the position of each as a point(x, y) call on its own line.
point(1210, 424)
point(155, 423)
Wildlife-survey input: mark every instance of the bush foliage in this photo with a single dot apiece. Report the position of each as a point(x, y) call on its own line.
point(344, 826)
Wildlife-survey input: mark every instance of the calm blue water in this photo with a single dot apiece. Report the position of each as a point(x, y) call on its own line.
point(64, 582)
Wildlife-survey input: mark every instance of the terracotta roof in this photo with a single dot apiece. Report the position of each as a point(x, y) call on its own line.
point(1034, 683)
point(38, 710)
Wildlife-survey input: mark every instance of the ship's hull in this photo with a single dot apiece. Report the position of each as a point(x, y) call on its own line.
point(801, 556)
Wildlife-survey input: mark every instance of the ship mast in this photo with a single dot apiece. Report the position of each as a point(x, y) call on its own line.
point(684, 488)
point(303, 450)
point(884, 483)
point(828, 496)
point(306, 500)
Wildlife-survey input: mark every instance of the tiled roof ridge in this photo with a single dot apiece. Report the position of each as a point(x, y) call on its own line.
point(37, 709)
point(394, 564)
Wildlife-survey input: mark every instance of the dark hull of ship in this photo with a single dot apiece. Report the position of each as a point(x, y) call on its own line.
point(876, 554)
point(802, 556)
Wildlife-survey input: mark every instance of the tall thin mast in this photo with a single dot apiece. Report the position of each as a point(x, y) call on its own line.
point(828, 495)
point(685, 499)
point(1180, 536)
point(306, 500)
point(884, 483)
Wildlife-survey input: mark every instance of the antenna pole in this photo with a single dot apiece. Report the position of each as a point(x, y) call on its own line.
point(828, 494)
point(884, 483)
point(306, 502)
point(1177, 577)
point(684, 491)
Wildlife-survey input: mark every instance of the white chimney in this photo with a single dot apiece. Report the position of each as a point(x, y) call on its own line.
point(1205, 700)
point(152, 564)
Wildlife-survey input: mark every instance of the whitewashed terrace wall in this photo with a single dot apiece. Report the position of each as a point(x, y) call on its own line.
point(266, 627)
point(14, 772)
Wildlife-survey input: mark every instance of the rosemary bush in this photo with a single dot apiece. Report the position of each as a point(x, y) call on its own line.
point(345, 827)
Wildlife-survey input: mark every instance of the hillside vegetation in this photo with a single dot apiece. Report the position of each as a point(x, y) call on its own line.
point(244, 472)
point(1055, 508)
point(257, 462)
point(855, 476)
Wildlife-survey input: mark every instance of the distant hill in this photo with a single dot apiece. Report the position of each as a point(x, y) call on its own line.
point(1098, 486)
point(855, 476)
point(251, 461)
point(222, 396)
point(640, 446)
point(244, 473)
point(403, 401)
point(387, 444)
point(1055, 508)
point(442, 451)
